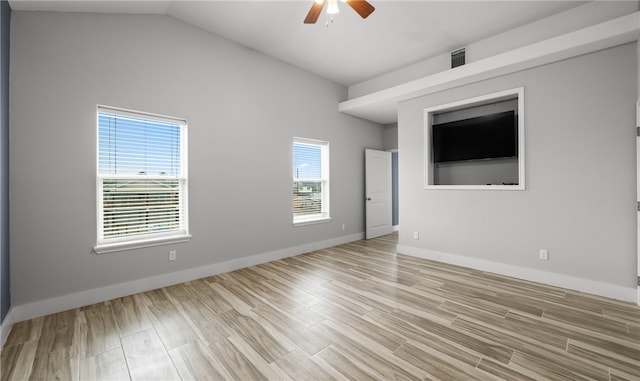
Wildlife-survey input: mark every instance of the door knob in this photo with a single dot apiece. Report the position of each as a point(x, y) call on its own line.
point(368, 198)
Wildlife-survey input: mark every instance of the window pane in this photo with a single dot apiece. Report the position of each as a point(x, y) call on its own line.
point(307, 161)
point(134, 207)
point(310, 180)
point(307, 197)
point(131, 146)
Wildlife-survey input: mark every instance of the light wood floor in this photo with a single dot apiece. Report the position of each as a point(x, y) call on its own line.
point(352, 312)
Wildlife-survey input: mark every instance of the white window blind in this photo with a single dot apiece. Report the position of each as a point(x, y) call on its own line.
point(142, 176)
point(310, 180)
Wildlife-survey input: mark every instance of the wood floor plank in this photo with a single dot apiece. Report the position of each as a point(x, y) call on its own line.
point(156, 296)
point(300, 367)
point(171, 326)
point(179, 292)
point(206, 323)
point(375, 359)
point(622, 312)
point(464, 300)
point(236, 362)
point(55, 365)
point(543, 333)
point(236, 303)
point(488, 367)
point(105, 366)
point(209, 296)
point(17, 360)
point(291, 291)
point(383, 337)
point(255, 335)
point(351, 312)
point(24, 331)
point(532, 352)
point(552, 370)
point(147, 358)
point(616, 345)
point(348, 302)
point(130, 315)
point(490, 348)
point(243, 294)
point(257, 360)
point(617, 375)
point(343, 365)
point(432, 364)
point(604, 357)
point(102, 332)
point(415, 334)
point(298, 334)
point(193, 362)
point(56, 333)
point(588, 320)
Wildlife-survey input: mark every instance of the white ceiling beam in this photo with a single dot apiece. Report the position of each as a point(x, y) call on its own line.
point(381, 106)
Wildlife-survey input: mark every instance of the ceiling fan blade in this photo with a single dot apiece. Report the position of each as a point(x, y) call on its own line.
point(363, 8)
point(314, 12)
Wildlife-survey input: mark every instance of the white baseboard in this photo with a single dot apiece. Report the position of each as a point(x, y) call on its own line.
point(627, 294)
point(6, 326)
point(66, 302)
point(396, 228)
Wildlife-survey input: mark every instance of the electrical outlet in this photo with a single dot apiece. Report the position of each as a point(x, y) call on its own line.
point(172, 255)
point(342, 226)
point(544, 254)
point(416, 235)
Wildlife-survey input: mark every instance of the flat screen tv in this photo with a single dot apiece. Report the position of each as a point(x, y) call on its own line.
point(484, 137)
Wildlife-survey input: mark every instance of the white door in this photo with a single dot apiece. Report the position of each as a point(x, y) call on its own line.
point(377, 193)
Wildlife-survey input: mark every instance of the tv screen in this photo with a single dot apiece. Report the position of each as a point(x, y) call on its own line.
point(484, 137)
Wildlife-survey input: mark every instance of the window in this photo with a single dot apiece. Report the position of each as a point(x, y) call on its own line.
point(310, 181)
point(142, 180)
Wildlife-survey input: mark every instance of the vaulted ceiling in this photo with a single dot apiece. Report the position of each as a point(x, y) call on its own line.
point(350, 49)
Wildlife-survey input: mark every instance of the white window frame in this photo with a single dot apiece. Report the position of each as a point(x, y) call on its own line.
point(324, 215)
point(145, 240)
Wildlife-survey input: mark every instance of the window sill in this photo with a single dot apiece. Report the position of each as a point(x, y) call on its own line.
point(312, 221)
point(139, 244)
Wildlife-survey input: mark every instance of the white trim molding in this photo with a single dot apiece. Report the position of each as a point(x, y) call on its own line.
point(83, 298)
point(627, 294)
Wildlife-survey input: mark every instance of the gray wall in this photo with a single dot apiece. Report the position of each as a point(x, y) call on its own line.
point(390, 136)
point(580, 175)
point(5, 297)
point(243, 109)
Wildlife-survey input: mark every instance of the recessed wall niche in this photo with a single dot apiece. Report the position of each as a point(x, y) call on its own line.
point(476, 143)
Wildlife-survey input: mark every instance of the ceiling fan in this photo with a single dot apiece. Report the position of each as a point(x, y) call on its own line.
point(363, 8)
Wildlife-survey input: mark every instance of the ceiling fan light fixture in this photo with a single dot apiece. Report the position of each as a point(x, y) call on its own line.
point(332, 8)
point(362, 7)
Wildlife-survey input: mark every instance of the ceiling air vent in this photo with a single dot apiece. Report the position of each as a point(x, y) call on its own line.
point(457, 58)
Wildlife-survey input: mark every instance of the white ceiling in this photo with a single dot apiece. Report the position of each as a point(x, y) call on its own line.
point(348, 51)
